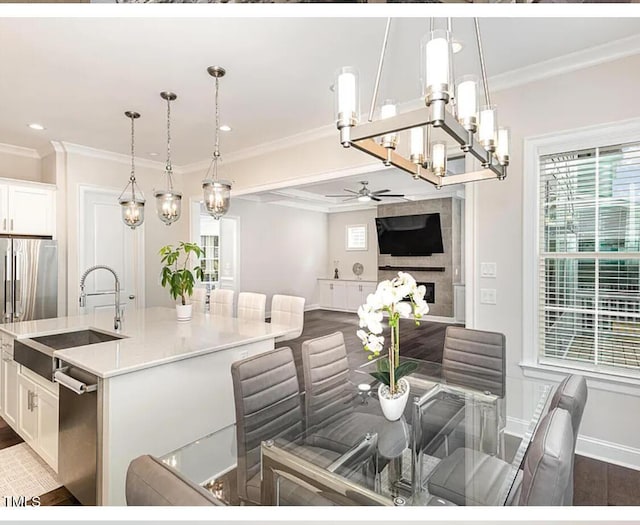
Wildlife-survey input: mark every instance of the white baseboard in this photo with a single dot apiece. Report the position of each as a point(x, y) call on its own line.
point(590, 447)
point(310, 307)
point(439, 319)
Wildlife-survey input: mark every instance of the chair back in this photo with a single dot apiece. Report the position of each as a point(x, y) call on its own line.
point(267, 401)
point(150, 482)
point(548, 463)
point(251, 306)
point(326, 378)
point(288, 310)
point(571, 395)
point(474, 358)
point(221, 302)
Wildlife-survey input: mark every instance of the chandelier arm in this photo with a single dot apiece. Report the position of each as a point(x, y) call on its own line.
point(379, 73)
point(132, 177)
point(485, 83)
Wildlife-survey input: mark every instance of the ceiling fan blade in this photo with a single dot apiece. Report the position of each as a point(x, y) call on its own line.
point(351, 191)
point(392, 195)
point(335, 196)
point(374, 198)
point(350, 199)
point(377, 192)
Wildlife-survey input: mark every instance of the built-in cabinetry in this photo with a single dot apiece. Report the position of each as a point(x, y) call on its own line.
point(29, 404)
point(26, 209)
point(344, 295)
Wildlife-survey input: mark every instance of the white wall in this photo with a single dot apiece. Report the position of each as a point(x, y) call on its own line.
point(20, 163)
point(560, 103)
point(283, 250)
point(337, 245)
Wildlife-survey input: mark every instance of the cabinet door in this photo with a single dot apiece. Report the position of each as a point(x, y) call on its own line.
point(339, 296)
point(326, 290)
point(354, 296)
point(46, 407)
point(4, 209)
point(10, 389)
point(368, 288)
point(27, 415)
point(30, 210)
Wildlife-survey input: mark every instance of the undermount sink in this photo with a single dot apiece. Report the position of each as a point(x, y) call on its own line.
point(73, 339)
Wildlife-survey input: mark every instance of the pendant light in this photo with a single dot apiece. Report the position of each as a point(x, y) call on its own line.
point(168, 201)
point(132, 199)
point(217, 193)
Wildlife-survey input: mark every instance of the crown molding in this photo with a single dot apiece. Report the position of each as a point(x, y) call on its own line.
point(19, 151)
point(96, 153)
point(582, 59)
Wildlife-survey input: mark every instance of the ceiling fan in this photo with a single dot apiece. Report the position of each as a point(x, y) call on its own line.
point(364, 194)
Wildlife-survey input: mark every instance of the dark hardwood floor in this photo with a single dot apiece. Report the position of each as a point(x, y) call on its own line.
point(595, 482)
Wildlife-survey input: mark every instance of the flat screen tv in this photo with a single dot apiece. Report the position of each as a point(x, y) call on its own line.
point(410, 235)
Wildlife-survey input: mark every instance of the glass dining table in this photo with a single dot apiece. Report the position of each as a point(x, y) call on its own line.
point(456, 443)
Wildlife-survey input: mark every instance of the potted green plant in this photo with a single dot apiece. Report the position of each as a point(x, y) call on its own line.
point(176, 275)
point(389, 298)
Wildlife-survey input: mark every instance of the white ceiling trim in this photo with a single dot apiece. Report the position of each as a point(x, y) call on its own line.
point(19, 151)
point(87, 151)
point(582, 59)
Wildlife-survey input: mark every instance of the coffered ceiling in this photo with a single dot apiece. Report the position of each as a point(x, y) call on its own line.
point(77, 76)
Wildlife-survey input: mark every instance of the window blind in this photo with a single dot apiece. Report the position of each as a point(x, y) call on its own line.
point(589, 264)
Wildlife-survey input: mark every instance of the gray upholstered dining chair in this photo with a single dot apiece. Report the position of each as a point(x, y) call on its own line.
point(475, 359)
point(268, 406)
point(471, 477)
point(571, 394)
point(288, 311)
point(150, 482)
point(252, 306)
point(329, 395)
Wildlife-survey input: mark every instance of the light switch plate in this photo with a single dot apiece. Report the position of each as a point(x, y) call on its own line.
point(488, 269)
point(487, 296)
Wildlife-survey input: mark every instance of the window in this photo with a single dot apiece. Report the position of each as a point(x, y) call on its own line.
point(589, 258)
point(356, 237)
point(210, 261)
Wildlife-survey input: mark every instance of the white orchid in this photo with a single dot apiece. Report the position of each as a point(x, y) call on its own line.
point(389, 298)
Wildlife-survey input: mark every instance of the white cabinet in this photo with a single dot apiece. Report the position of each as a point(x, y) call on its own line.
point(27, 416)
point(38, 415)
point(344, 295)
point(9, 372)
point(27, 209)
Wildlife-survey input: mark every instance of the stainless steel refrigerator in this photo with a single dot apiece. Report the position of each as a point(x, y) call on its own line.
point(29, 266)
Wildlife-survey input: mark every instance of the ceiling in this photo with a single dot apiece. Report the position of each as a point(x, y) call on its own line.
point(313, 196)
point(77, 76)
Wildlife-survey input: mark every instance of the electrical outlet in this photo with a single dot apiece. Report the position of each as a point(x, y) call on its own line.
point(487, 296)
point(488, 270)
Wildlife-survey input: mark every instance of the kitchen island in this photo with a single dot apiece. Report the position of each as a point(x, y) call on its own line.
point(161, 385)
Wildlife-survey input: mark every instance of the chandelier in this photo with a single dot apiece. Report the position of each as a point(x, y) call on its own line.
point(168, 201)
point(217, 193)
point(132, 199)
point(455, 112)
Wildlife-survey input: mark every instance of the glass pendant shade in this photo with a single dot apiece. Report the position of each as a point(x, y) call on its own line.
point(439, 158)
point(416, 143)
point(217, 196)
point(467, 99)
point(168, 205)
point(488, 128)
point(502, 148)
point(132, 212)
point(388, 110)
point(437, 56)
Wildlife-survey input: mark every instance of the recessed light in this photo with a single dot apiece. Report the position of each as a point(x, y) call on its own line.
point(153, 154)
point(38, 127)
point(225, 127)
point(456, 46)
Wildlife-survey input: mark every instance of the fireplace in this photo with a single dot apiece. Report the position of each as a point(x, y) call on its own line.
point(430, 295)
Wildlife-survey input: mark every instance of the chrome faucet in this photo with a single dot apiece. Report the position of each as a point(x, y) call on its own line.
point(117, 320)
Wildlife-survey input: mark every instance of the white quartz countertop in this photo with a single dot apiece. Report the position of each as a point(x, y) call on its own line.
point(151, 337)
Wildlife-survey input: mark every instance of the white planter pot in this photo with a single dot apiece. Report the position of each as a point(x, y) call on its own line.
point(393, 408)
point(184, 312)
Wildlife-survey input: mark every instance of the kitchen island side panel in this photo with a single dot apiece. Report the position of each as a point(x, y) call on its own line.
point(159, 409)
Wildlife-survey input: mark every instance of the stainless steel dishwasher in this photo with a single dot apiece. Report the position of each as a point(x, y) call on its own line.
point(79, 444)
